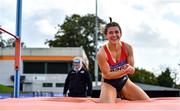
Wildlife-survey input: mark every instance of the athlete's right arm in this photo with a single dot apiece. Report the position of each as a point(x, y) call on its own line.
point(104, 66)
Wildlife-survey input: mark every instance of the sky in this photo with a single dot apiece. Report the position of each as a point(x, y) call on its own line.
point(152, 27)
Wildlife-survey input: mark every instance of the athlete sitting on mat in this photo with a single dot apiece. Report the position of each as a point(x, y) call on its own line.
point(116, 61)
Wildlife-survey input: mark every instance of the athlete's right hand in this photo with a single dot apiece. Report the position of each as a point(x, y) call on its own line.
point(128, 69)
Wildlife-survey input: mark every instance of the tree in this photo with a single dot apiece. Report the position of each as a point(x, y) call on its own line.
point(78, 31)
point(143, 76)
point(2, 41)
point(165, 79)
point(9, 42)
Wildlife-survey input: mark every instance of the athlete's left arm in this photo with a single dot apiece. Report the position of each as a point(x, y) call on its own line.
point(130, 58)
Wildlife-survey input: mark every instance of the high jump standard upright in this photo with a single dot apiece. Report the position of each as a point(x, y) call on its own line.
point(17, 48)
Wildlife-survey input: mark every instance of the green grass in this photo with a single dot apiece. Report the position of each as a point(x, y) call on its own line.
point(5, 89)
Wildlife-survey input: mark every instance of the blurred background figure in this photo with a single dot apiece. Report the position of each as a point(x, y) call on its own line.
point(78, 81)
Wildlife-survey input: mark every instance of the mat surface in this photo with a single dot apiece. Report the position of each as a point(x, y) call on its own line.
point(88, 104)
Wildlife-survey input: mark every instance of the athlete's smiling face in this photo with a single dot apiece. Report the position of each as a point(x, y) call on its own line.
point(113, 34)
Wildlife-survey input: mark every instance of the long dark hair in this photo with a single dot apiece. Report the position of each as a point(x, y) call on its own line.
point(111, 24)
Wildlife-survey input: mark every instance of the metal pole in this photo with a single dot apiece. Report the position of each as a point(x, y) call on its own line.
point(17, 48)
point(96, 39)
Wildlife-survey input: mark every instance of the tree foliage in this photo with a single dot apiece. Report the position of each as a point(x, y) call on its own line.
point(147, 77)
point(78, 31)
point(9, 42)
point(165, 79)
point(143, 76)
point(2, 42)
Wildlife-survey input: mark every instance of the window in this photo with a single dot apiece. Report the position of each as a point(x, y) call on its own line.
point(47, 85)
point(59, 84)
point(46, 67)
point(57, 67)
point(34, 67)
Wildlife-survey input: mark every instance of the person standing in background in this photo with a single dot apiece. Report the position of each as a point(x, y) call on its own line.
point(78, 81)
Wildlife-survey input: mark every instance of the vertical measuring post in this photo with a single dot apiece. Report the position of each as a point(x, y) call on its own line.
point(96, 39)
point(18, 49)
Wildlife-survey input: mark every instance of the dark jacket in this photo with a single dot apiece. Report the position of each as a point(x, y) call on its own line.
point(78, 83)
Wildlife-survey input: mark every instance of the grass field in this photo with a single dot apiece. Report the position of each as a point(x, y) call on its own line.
point(5, 89)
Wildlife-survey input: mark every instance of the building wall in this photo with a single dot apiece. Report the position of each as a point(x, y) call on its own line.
point(6, 69)
point(34, 82)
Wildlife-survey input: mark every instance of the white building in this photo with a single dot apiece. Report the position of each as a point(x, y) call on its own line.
point(43, 69)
